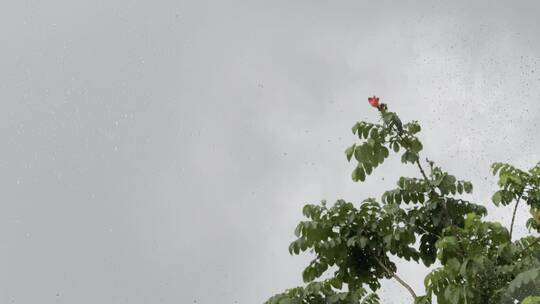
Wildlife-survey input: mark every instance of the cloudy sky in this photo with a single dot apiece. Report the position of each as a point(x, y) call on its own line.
point(161, 151)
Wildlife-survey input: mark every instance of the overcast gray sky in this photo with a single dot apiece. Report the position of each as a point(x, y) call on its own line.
point(161, 151)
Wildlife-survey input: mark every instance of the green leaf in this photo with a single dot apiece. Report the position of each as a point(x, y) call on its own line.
point(409, 157)
point(365, 131)
point(397, 197)
point(414, 127)
point(307, 211)
point(374, 133)
point(523, 279)
point(414, 197)
point(395, 147)
point(336, 283)
point(468, 187)
point(416, 146)
point(350, 151)
point(379, 154)
point(453, 265)
point(406, 198)
point(401, 183)
point(453, 294)
point(307, 276)
point(355, 127)
point(496, 198)
point(531, 300)
point(385, 152)
point(367, 153)
point(358, 154)
point(358, 174)
point(298, 230)
point(389, 197)
point(463, 268)
point(388, 239)
point(368, 168)
point(363, 241)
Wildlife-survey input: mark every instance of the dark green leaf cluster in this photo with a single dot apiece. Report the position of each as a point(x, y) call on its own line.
point(515, 185)
point(324, 292)
point(531, 300)
point(378, 139)
point(369, 154)
point(349, 240)
point(471, 257)
point(480, 263)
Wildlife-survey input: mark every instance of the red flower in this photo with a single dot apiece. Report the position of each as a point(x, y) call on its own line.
point(374, 101)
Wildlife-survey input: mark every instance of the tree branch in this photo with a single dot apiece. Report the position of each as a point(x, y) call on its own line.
point(397, 278)
point(445, 208)
point(422, 171)
point(514, 215)
point(529, 246)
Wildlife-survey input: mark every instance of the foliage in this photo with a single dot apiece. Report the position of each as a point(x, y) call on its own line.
point(531, 300)
point(426, 219)
point(324, 293)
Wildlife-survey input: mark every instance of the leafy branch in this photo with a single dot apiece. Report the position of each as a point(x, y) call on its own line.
point(422, 220)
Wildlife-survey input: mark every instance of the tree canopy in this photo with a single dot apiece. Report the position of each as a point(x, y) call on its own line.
point(425, 219)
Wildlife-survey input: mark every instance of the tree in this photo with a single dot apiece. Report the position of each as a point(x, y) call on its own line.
point(424, 219)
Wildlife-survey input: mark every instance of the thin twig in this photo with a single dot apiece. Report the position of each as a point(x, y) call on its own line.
point(422, 228)
point(422, 171)
point(445, 208)
point(395, 276)
point(514, 216)
point(529, 246)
